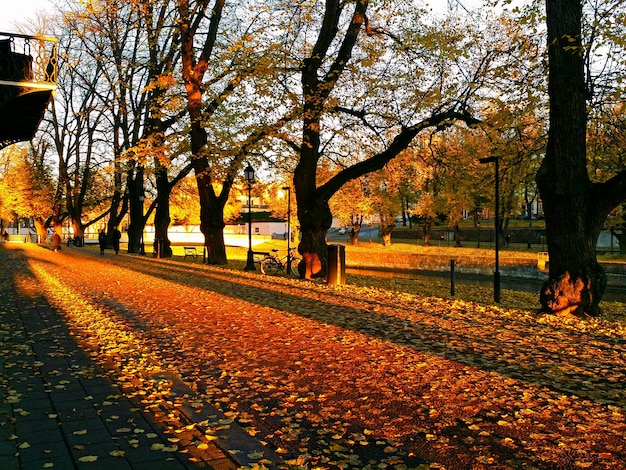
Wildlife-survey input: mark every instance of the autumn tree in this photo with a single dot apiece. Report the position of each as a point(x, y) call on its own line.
point(353, 204)
point(576, 207)
point(26, 188)
point(160, 144)
point(133, 51)
point(356, 48)
point(74, 129)
point(606, 147)
point(228, 54)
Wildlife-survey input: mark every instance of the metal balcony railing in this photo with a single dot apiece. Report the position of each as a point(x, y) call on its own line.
point(28, 61)
point(28, 76)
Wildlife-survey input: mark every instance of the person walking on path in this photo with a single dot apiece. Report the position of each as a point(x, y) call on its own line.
point(117, 235)
point(102, 241)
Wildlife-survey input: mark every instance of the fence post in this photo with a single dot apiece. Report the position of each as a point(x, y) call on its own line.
point(452, 265)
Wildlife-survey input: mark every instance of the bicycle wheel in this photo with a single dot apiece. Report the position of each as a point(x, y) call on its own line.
point(269, 266)
point(293, 269)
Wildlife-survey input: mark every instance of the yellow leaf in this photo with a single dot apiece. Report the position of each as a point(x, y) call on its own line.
point(117, 453)
point(80, 432)
point(24, 445)
point(88, 458)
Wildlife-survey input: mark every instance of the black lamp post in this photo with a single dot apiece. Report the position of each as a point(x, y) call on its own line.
point(477, 234)
point(249, 174)
point(288, 189)
point(496, 274)
point(142, 249)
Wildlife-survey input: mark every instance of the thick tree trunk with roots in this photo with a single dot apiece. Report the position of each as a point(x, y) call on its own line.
point(315, 219)
point(575, 208)
point(576, 281)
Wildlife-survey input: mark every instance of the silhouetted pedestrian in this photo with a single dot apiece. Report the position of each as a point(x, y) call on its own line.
point(102, 241)
point(116, 236)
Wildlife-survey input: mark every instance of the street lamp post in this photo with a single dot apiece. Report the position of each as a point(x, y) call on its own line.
point(496, 274)
point(288, 189)
point(142, 249)
point(249, 174)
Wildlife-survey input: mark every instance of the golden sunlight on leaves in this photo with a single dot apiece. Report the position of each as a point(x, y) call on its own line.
point(347, 376)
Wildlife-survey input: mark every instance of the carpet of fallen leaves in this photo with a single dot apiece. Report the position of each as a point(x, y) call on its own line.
point(351, 376)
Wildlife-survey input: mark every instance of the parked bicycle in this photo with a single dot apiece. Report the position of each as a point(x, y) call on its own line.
point(272, 263)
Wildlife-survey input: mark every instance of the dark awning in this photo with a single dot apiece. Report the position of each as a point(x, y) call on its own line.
point(21, 115)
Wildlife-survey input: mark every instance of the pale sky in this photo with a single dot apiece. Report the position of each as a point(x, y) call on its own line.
point(18, 10)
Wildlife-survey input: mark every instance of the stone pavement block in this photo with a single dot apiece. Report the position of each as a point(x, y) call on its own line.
point(27, 426)
point(10, 463)
point(7, 449)
point(45, 436)
point(76, 414)
point(167, 465)
point(50, 452)
point(63, 462)
point(110, 464)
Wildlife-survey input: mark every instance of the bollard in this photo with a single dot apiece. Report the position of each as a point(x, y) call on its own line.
point(336, 267)
point(452, 265)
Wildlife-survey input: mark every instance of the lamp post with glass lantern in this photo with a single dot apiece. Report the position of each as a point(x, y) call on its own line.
point(249, 175)
point(496, 274)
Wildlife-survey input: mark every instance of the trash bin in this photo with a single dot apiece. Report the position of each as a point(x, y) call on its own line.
point(542, 260)
point(336, 268)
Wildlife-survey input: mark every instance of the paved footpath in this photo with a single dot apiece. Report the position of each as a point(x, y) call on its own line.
point(60, 410)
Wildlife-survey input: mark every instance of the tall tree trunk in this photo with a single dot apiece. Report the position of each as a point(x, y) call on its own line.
point(41, 229)
point(193, 72)
point(162, 217)
point(212, 221)
point(134, 183)
point(574, 212)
